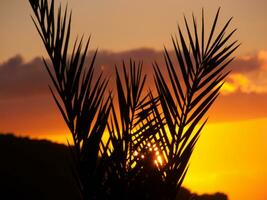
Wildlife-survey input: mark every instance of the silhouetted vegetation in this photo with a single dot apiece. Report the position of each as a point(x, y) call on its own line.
point(39, 169)
point(150, 136)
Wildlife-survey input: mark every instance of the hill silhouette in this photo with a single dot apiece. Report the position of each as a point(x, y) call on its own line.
point(41, 170)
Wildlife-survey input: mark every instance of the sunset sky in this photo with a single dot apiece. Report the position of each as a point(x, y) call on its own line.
point(231, 155)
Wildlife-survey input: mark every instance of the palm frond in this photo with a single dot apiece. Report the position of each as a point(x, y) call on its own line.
point(132, 129)
point(79, 96)
point(195, 78)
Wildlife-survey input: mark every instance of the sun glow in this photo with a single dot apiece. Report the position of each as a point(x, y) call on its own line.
point(228, 154)
point(152, 151)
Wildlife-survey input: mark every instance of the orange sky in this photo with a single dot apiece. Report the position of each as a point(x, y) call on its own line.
point(231, 155)
point(116, 25)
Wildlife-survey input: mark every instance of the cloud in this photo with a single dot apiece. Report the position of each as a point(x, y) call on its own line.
point(252, 78)
point(22, 79)
point(24, 92)
point(249, 83)
point(245, 64)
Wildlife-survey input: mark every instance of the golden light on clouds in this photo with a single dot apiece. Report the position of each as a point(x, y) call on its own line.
point(245, 83)
point(228, 88)
point(252, 81)
point(237, 82)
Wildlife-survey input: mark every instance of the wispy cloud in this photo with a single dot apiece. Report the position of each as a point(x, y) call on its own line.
point(249, 75)
point(19, 78)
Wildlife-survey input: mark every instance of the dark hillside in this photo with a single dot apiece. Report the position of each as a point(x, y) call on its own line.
point(40, 170)
point(34, 169)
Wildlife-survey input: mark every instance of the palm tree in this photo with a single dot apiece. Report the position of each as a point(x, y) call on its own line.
point(150, 135)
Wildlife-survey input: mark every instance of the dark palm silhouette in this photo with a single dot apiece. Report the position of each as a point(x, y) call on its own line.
point(79, 98)
point(151, 136)
point(196, 76)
